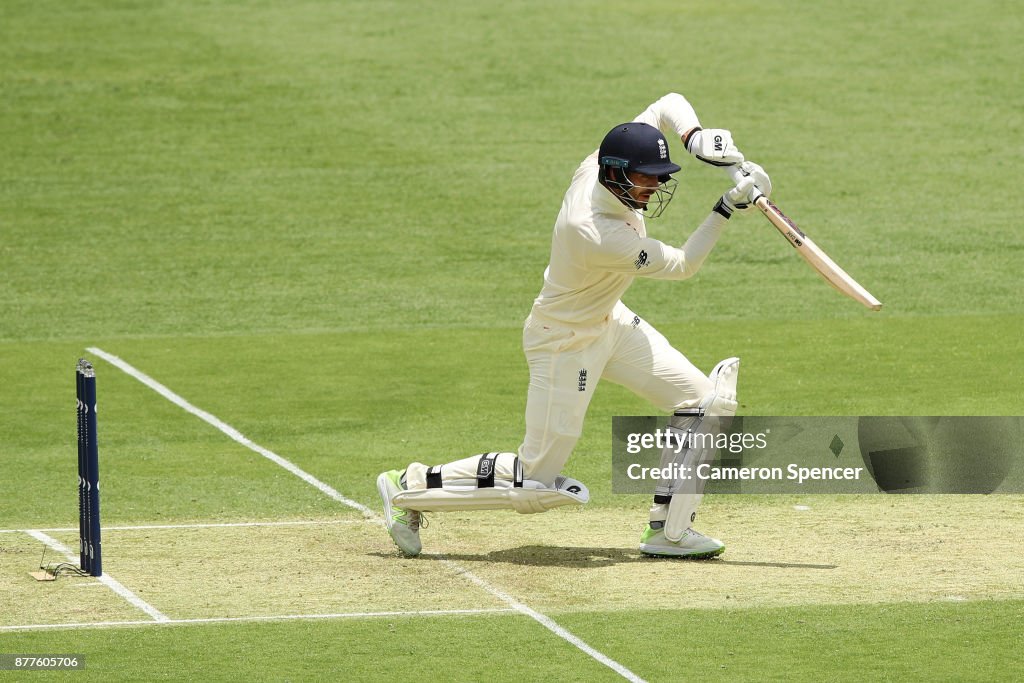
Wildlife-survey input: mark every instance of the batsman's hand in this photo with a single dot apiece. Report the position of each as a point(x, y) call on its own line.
point(714, 146)
point(748, 169)
point(740, 198)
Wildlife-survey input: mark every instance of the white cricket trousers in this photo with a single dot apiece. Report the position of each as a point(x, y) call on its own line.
point(566, 365)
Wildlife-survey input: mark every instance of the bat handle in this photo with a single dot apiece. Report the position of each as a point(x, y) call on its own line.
point(760, 201)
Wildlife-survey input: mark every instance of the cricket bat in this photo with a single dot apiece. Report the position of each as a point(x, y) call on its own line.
point(813, 254)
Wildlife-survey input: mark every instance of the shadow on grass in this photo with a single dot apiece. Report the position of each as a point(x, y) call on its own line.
point(591, 558)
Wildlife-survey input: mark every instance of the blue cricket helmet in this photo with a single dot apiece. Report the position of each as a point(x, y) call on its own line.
point(637, 147)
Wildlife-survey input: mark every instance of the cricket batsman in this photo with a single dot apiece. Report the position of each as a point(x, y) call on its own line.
point(579, 332)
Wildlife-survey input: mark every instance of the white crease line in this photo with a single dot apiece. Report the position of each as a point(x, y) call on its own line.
point(272, 617)
point(548, 623)
point(233, 433)
point(106, 579)
point(520, 607)
point(198, 525)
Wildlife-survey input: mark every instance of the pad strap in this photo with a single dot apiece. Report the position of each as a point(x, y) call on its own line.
point(434, 477)
point(485, 471)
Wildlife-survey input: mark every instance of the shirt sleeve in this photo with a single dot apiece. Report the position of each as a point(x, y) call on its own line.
point(620, 249)
point(672, 115)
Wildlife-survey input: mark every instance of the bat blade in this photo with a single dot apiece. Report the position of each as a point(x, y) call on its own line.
point(815, 256)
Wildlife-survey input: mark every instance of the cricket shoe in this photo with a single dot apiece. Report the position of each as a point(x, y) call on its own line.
point(403, 525)
point(693, 545)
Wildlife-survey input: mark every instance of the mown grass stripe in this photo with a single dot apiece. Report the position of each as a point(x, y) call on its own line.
point(269, 617)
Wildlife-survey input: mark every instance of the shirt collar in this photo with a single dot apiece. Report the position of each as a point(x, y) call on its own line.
point(605, 202)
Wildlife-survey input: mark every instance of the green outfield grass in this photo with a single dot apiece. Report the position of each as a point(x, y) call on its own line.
point(324, 224)
point(901, 642)
point(348, 405)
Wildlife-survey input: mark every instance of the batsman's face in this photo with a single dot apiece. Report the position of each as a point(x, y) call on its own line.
point(643, 186)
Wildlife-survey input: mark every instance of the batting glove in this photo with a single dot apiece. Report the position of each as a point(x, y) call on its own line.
point(713, 146)
point(761, 179)
point(740, 198)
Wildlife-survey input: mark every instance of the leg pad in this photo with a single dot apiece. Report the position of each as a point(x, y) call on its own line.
point(713, 414)
point(531, 496)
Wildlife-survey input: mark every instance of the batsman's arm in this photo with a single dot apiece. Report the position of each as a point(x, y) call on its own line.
point(672, 115)
point(621, 250)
